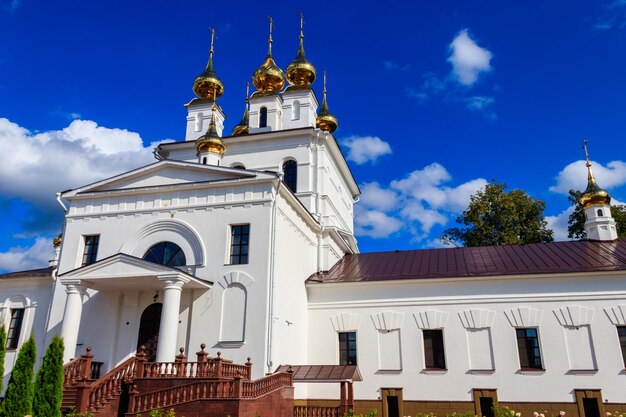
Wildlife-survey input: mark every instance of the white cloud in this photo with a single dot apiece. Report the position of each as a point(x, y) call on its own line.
point(392, 66)
point(33, 167)
point(468, 59)
point(20, 258)
point(559, 225)
point(574, 176)
point(363, 149)
point(417, 202)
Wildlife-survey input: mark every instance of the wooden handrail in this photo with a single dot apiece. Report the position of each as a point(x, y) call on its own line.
point(72, 371)
point(110, 386)
point(265, 385)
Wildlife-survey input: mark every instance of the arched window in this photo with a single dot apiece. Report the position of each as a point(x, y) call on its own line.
point(204, 160)
point(166, 253)
point(600, 213)
point(198, 122)
point(290, 175)
point(263, 117)
point(295, 110)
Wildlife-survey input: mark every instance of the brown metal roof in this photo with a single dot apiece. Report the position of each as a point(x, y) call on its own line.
point(323, 373)
point(536, 258)
point(33, 273)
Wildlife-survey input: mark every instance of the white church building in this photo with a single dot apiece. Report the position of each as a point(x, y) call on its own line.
point(245, 243)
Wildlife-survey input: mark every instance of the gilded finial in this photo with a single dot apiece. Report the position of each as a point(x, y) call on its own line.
point(325, 119)
point(594, 195)
point(301, 72)
point(242, 126)
point(269, 78)
point(208, 84)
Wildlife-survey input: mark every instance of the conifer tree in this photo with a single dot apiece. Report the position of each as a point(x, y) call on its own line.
point(18, 399)
point(3, 351)
point(49, 382)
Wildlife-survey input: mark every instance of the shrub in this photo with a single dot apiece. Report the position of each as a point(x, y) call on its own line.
point(49, 382)
point(3, 351)
point(18, 399)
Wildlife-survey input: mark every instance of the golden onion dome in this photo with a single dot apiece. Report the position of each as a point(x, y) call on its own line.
point(242, 127)
point(594, 195)
point(325, 119)
point(301, 72)
point(208, 84)
point(57, 240)
point(211, 140)
point(269, 78)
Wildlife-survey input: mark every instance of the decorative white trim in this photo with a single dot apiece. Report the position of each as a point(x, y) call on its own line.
point(477, 318)
point(617, 314)
point(388, 320)
point(236, 277)
point(431, 319)
point(173, 230)
point(574, 316)
point(524, 317)
point(346, 321)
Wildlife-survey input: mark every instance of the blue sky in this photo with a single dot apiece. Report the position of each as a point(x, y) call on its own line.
point(433, 99)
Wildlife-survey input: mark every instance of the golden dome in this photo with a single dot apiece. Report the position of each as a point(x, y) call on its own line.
point(57, 240)
point(269, 78)
point(208, 84)
point(211, 141)
point(593, 195)
point(325, 120)
point(242, 126)
point(301, 72)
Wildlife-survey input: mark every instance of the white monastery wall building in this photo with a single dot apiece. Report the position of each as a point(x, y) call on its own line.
point(246, 243)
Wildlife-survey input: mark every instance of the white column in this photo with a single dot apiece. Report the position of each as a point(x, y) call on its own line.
point(168, 330)
point(71, 318)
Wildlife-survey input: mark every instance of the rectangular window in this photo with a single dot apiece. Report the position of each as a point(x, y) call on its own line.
point(239, 241)
point(621, 333)
point(347, 348)
point(528, 348)
point(91, 249)
point(15, 327)
point(434, 357)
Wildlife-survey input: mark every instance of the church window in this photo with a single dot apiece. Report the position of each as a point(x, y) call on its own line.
point(600, 213)
point(166, 253)
point(295, 110)
point(239, 244)
point(347, 348)
point(290, 175)
point(15, 327)
point(621, 333)
point(91, 249)
point(528, 348)
point(204, 160)
point(263, 117)
point(434, 357)
point(239, 166)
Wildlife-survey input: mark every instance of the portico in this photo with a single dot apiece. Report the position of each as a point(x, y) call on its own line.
point(122, 272)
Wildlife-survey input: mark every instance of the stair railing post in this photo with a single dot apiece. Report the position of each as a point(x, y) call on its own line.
point(132, 397)
point(218, 365)
point(249, 370)
point(237, 387)
point(290, 372)
point(140, 360)
point(202, 361)
point(86, 358)
point(180, 360)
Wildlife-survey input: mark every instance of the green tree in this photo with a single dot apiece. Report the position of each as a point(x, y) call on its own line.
point(576, 221)
point(499, 217)
point(3, 351)
point(18, 398)
point(49, 382)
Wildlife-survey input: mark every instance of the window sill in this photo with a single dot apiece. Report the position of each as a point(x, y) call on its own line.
point(434, 371)
point(531, 371)
point(582, 371)
point(231, 345)
point(481, 371)
point(235, 264)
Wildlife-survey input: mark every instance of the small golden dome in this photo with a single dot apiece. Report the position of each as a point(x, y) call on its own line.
point(208, 84)
point(594, 195)
point(301, 72)
point(269, 78)
point(242, 126)
point(57, 240)
point(325, 119)
point(211, 141)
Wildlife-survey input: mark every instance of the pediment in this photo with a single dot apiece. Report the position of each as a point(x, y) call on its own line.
point(165, 173)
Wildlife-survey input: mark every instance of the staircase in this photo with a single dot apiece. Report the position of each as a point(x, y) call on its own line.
point(208, 387)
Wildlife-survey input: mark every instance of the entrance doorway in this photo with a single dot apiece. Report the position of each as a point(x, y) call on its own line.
point(149, 330)
point(392, 402)
point(590, 403)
